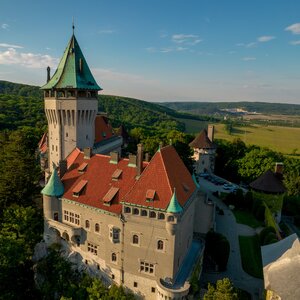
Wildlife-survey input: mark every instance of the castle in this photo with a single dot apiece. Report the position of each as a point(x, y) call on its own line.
point(125, 220)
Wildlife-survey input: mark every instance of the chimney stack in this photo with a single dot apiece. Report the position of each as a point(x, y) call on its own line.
point(211, 132)
point(140, 156)
point(114, 157)
point(48, 74)
point(62, 167)
point(87, 153)
point(279, 169)
point(147, 157)
point(132, 160)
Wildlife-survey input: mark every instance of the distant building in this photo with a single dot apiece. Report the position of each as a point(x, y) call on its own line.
point(204, 151)
point(125, 220)
point(281, 267)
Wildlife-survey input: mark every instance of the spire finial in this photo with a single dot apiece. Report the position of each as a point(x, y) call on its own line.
point(73, 27)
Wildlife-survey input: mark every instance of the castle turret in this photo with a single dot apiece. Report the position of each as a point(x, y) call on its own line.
point(173, 213)
point(71, 105)
point(53, 189)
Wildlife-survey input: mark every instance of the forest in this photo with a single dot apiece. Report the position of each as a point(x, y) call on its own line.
point(22, 124)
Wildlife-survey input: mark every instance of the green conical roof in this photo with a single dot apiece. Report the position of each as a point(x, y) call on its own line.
point(54, 186)
point(174, 206)
point(68, 73)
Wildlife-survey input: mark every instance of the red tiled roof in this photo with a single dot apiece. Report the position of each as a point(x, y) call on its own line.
point(103, 129)
point(201, 141)
point(99, 176)
point(165, 172)
point(43, 143)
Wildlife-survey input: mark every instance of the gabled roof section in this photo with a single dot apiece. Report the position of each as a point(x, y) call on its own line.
point(103, 129)
point(202, 141)
point(268, 183)
point(165, 172)
point(72, 71)
point(174, 206)
point(54, 186)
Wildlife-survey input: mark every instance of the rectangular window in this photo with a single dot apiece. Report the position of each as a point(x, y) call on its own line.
point(146, 267)
point(135, 284)
point(114, 234)
point(153, 290)
point(71, 217)
point(92, 248)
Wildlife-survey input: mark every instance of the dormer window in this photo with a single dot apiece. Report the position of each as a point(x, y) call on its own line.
point(116, 174)
point(78, 189)
point(82, 167)
point(150, 194)
point(110, 195)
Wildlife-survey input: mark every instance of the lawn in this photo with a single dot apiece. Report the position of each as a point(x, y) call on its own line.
point(251, 255)
point(278, 138)
point(245, 217)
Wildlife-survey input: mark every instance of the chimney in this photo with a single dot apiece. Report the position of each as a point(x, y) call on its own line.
point(279, 169)
point(140, 156)
point(114, 157)
point(211, 132)
point(48, 74)
point(87, 153)
point(147, 157)
point(132, 160)
point(62, 167)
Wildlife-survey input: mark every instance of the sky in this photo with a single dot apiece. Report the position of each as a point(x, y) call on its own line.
point(161, 50)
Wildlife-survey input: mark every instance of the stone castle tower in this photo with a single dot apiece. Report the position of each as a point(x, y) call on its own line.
point(71, 105)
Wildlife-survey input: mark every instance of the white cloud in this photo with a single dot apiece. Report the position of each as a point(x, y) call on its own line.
point(186, 39)
point(4, 45)
point(29, 60)
point(4, 26)
point(248, 58)
point(294, 28)
point(266, 38)
point(248, 45)
point(106, 31)
point(294, 43)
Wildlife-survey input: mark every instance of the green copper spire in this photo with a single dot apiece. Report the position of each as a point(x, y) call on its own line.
point(174, 206)
point(73, 71)
point(54, 186)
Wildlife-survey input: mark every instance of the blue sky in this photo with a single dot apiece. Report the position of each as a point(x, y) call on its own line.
point(161, 50)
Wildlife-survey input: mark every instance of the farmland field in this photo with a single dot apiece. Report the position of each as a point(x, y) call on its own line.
point(278, 138)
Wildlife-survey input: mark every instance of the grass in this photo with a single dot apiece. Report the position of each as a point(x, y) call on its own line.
point(251, 255)
point(278, 138)
point(245, 217)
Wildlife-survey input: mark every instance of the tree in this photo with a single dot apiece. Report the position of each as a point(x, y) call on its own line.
point(224, 290)
point(19, 169)
point(256, 162)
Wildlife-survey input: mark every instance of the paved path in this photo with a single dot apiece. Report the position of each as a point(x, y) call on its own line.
point(226, 225)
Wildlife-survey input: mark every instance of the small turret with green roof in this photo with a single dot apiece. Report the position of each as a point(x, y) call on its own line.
point(174, 206)
point(54, 187)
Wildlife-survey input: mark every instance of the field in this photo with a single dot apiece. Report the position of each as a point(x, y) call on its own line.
point(277, 138)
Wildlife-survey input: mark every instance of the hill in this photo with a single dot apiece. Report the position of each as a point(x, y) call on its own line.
point(22, 105)
point(207, 108)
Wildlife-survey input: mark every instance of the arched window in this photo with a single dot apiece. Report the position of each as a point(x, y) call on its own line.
point(127, 210)
point(136, 211)
point(161, 216)
point(87, 224)
point(114, 257)
point(152, 214)
point(135, 239)
point(160, 245)
point(144, 213)
point(171, 218)
point(97, 227)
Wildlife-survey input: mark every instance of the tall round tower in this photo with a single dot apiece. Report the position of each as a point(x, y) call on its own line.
point(71, 105)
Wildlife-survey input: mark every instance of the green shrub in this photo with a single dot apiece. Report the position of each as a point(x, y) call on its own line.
point(264, 233)
point(270, 238)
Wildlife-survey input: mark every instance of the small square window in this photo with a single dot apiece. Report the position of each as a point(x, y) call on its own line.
point(135, 284)
point(153, 290)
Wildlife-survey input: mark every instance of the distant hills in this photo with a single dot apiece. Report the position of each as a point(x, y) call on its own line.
point(212, 108)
